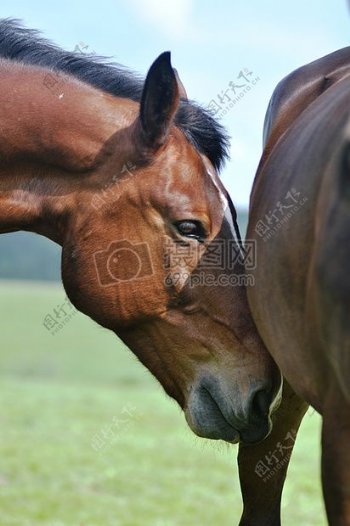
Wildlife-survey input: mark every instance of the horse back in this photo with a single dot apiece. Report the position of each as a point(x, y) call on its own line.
point(300, 88)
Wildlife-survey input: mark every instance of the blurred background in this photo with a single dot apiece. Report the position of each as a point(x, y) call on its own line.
point(87, 436)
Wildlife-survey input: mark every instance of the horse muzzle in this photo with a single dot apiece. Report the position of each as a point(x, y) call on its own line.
point(214, 413)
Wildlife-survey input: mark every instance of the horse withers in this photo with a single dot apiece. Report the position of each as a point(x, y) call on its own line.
point(300, 220)
point(127, 184)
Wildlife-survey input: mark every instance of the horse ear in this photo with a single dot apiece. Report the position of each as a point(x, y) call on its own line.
point(182, 90)
point(159, 101)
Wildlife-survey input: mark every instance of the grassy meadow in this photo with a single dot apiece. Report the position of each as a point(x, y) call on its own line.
point(88, 438)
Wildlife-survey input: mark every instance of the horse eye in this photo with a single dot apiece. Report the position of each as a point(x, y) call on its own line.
point(190, 228)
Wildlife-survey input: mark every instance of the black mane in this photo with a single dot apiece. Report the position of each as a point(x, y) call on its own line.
point(26, 45)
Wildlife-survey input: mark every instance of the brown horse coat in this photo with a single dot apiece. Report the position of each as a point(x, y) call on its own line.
point(300, 219)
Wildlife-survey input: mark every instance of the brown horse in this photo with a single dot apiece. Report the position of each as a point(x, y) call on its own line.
point(128, 187)
point(300, 219)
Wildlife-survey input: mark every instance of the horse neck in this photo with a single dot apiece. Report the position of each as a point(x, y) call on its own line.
point(52, 142)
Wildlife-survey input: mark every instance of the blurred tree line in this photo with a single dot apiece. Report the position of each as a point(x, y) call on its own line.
point(28, 256)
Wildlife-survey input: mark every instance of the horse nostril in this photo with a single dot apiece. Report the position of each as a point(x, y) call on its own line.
point(258, 422)
point(260, 405)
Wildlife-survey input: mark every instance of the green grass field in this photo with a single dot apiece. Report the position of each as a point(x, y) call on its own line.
point(88, 438)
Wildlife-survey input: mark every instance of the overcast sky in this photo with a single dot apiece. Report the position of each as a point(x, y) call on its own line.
point(211, 43)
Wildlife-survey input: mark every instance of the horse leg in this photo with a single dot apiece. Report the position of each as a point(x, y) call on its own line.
point(336, 459)
point(263, 467)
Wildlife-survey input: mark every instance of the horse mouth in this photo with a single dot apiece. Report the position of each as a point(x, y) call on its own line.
point(207, 419)
point(214, 426)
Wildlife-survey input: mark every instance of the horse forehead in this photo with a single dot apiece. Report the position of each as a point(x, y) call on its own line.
point(184, 176)
point(209, 173)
